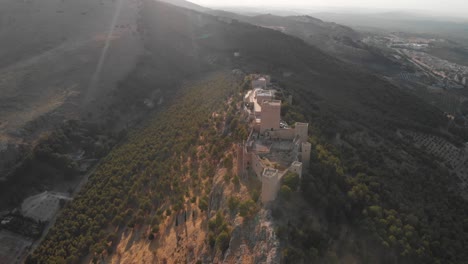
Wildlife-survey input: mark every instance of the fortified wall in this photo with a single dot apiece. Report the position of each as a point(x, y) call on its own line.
point(273, 148)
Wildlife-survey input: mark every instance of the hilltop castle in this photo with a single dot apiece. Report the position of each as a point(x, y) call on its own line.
point(273, 148)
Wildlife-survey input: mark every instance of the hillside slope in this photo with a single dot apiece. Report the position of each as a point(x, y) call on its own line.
point(207, 42)
point(59, 60)
point(335, 39)
point(374, 197)
point(81, 62)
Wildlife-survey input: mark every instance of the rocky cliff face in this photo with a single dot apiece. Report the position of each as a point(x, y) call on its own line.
point(254, 241)
point(185, 236)
point(253, 238)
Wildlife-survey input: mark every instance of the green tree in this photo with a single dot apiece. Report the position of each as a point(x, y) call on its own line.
point(291, 180)
point(222, 241)
point(247, 208)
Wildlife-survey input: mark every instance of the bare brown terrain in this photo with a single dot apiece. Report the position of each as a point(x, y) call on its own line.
point(253, 240)
point(58, 59)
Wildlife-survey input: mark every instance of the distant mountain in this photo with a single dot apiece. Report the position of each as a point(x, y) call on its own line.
point(186, 4)
point(337, 40)
point(314, 30)
point(333, 38)
point(401, 21)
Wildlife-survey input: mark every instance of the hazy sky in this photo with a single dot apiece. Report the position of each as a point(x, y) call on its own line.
point(459, 7)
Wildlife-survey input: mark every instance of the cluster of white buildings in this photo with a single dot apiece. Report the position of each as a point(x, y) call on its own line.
point(273, 148)
point(452, 74)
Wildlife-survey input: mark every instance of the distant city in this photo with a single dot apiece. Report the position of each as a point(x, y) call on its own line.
point(445, 74)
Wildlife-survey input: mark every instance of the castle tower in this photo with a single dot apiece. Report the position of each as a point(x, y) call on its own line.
point(271, 115)
point(302, 130)
point(270, 185)
point(296, 167)
point(305, 154)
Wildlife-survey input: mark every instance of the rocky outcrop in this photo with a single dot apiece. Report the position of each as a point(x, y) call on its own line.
point(254, 241)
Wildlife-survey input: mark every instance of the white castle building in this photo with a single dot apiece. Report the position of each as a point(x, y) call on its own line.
point(273, 148)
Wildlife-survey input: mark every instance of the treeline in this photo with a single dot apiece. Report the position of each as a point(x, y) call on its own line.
point(413, 218)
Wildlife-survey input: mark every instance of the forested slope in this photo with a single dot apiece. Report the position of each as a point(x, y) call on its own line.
point(138, 177)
